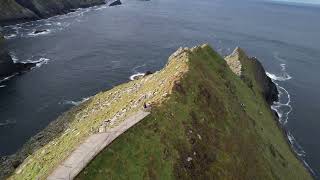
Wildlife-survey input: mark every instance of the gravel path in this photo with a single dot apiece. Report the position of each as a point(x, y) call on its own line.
point(79, 158)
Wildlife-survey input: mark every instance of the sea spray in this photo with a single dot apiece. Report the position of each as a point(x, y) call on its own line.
point(75, 103)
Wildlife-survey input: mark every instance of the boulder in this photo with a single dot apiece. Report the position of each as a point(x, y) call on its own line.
point(148, 73)
point(40, 31)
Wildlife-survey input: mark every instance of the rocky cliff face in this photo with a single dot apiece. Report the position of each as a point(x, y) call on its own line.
point(252, 73)
point(15, 11)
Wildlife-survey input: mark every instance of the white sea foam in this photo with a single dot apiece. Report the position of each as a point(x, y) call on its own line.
point(41, 61)
point(75, 103)
point(100, 7)
point(7, 78)
point(282, 77)
point(10, 36)
point(14, 57)
point(134, 76)
point(283, 107)
point(47, 31)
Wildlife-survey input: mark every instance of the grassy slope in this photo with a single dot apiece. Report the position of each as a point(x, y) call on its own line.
point(203, 120)
point(84, 120)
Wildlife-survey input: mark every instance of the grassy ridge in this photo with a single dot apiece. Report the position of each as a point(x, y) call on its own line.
point(82, 121)
point(213, 126)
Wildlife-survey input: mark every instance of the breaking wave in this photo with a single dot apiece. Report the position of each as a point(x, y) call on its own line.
point(7, 78)
point(10, 36)
point(283, 76)
point(75, 103)
point(134, 76)
point(41, 61)
point(136, 72)
point(45, 32)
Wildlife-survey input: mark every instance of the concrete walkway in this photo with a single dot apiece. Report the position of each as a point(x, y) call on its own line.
point(79, 158)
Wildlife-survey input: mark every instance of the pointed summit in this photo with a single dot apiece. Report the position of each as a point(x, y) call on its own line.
point(238, 52)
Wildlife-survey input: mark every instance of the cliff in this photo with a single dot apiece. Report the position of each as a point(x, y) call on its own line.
point(251, 71)
point(16, 11)
point(205, 123)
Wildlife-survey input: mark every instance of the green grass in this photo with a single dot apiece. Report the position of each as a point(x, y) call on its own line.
point(202, 119)
point(85, 119)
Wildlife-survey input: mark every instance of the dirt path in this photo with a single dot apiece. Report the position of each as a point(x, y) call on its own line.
point(79, 158)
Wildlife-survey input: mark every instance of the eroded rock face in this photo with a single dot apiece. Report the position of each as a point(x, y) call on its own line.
point(15, 11)
point(269, 89)
point(250, 69)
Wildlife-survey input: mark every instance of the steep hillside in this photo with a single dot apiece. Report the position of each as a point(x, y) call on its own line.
point(205, 123)
point(213, 126)
point(44, 152)
point(15, 11)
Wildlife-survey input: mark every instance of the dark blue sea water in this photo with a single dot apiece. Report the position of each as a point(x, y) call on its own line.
point(97, 48)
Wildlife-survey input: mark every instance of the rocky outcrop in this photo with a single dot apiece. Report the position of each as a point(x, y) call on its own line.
point(7, 66)
point(115, 3)
point(15, 11)
point(250, 69)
